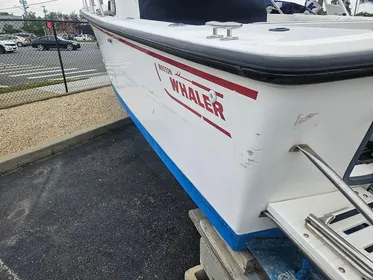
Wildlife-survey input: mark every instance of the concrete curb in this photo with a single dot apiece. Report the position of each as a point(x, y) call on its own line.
point(196, 273)
point(13, 161)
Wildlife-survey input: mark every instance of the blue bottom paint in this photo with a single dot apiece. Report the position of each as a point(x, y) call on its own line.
point(235, 241)
point(281, 259)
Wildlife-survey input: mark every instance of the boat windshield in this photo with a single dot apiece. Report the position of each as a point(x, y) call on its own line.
point(360, 170)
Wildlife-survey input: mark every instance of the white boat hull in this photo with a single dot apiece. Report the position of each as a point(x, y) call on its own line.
point(232, 156)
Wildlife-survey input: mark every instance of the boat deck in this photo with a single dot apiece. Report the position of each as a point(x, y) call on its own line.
point(107, 209)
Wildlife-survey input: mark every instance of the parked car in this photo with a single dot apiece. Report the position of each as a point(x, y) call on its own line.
point(20, 41)
point(49, 42)
point(7, 46)
point(84, 37)
point(68, 36)
point(28, 36)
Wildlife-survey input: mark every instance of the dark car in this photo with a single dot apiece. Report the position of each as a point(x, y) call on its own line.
point(50, 42)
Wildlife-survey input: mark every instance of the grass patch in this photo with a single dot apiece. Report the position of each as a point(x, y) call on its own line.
point(35, 85)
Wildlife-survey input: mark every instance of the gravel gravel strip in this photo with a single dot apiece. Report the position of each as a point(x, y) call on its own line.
point(32, 124)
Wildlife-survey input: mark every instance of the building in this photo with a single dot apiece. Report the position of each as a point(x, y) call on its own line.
point(6, 20)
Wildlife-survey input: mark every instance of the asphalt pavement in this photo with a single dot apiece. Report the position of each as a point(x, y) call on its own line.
point(107, 209)
point(29, 65)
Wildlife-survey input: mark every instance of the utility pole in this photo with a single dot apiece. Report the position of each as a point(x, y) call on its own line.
point(24, 7)
point(45, 11)
point(45, 16)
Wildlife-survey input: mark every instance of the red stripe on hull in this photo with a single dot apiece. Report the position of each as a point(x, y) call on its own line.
point(156, 69)
point(207, 76)
point(184, 105)
point(206, 89)
point(199, 115)
point(200, 86)
point(217, 127)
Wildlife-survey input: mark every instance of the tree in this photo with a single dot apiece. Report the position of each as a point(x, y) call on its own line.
point(34, 27)
point(65, 27)
point(52, 15)
point(9, 29)
point(364, 14)
point(347, 4)
point(63, 17)
point(74, 17)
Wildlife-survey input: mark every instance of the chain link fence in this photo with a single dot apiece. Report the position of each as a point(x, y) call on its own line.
point(41, 59)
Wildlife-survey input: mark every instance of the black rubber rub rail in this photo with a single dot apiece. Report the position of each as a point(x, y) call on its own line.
point(270, 69)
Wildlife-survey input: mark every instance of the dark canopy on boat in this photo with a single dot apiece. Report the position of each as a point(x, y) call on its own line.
point(201, 11)
point(286, 7)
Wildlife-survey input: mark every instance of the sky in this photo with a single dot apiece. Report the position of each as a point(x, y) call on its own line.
point(63, 6)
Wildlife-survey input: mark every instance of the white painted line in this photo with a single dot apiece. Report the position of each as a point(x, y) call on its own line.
point(79, 76)
point(1, 86)
point(13, 71)
point(11, 274)
point(42, 72)
point(17, 68)
point(5, 64)
point(46, 76)
point(14, 66)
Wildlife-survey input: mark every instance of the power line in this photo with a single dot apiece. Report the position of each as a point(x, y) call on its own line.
point(27, 5)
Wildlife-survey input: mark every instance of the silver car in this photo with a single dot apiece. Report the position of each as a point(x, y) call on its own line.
point(7, 46)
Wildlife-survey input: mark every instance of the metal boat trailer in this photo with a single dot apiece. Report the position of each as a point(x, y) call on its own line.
point(324, 238)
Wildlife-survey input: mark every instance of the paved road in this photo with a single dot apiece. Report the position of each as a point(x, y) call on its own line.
point(31, 65)
point(107, 209)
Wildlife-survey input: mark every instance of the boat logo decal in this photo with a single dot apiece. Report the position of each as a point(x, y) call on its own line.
point(234, 87)
point(193, 96)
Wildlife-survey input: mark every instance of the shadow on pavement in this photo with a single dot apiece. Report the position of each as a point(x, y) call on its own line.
point(107, 209)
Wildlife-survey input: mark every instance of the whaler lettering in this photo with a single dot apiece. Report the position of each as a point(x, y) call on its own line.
point(198, 98)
